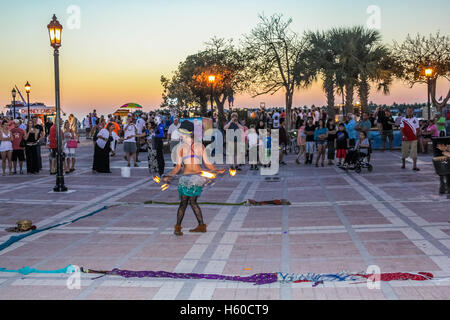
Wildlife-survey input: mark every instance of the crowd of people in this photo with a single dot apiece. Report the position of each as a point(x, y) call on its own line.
point(139, 132)
point(22, 141)
point(317, 137)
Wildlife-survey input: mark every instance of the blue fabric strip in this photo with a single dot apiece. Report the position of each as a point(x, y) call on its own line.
point(15, 239)
point(28, 270)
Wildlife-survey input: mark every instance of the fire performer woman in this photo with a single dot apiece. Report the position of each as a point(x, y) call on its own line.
point(190, 155)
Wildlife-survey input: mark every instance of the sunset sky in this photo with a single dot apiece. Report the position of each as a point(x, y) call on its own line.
point(123, 47)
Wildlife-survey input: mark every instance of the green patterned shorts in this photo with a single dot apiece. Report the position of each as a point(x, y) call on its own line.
point(191, 185)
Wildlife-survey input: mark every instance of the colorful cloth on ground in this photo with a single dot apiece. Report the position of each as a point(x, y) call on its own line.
point(267, 278)
point(315, 277)
point(256, 279)
point(28, 270)
point(191, 185)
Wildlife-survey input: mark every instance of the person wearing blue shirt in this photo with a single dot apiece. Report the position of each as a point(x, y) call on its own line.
point(159, 144)
point(350, 128)
point(320, 136)
point(160, 131)
point(364, 124)
point(93, 121)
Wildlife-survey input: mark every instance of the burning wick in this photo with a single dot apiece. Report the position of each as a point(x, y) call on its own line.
point(157, 179)
point(232, 172)
point(208, 175)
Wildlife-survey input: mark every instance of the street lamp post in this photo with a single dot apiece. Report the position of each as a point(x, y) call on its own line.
point(55, 30)
point(212, 79)
point(429, 75)
point(13, 92)
point(28, 90)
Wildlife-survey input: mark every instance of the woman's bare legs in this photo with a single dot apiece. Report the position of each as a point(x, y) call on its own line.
point(3, 162)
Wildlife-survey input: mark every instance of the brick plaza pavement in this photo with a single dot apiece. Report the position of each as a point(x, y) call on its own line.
point(391, 218)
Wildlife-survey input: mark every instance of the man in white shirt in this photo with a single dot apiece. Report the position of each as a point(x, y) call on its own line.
point(174, 134)
point(140, 125)
point(276, 120)
point(253, 141)
point(409, 129)
point(129, 145)
point(316, 116)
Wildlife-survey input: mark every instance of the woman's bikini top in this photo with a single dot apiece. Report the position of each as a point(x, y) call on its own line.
point(192, 155)
point(8, 135)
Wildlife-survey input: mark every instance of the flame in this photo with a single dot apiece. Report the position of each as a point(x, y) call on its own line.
point(232, 172)
point(157, 179)
point(208, 175)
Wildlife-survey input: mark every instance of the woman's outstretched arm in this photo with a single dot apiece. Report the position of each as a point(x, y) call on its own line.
point(208, 163)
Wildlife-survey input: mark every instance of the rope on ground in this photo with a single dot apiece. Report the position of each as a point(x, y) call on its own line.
point(204, 203)
point(249, 202)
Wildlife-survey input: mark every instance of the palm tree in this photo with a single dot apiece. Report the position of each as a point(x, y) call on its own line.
point(346, 71)
point(349, 59)
point(374, 64)
point(360, 59)
point(323, 61)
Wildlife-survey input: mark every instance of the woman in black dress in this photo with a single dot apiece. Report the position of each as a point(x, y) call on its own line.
point(31, 138)
point(331, 126)
point(103, 149)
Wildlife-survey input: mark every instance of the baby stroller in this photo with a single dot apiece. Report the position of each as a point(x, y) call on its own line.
point(358, 159)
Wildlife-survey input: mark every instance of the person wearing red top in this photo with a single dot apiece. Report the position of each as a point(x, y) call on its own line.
point(409, 129)
point(18, 151)
point(53, 146)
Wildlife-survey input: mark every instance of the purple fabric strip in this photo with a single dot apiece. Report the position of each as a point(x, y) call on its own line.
point(257, 279)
